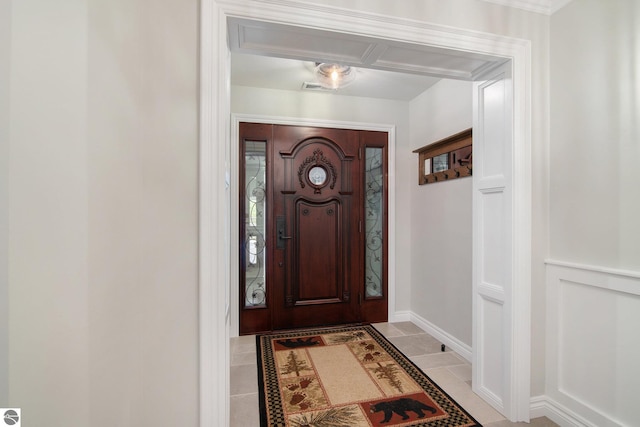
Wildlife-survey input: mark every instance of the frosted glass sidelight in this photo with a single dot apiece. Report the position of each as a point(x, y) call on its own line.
point(255, 165)
point(374, 221)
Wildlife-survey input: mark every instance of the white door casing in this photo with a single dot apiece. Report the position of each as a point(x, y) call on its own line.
point(505, 386)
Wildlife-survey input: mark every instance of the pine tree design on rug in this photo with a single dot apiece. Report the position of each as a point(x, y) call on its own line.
point(344, 338)
point(389, 373)
point(294, 365)
point(300, 390)
point(345, 416)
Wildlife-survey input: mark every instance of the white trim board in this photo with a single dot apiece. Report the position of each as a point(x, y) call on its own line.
point(213, 216)
point(401, 316)
point(544, 406)
point(619, 273)
point(443, 336)
point(236, 118)
point(215, 138)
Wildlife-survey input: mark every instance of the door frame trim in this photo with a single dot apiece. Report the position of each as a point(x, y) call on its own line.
point(234, 190)
point(214, 173)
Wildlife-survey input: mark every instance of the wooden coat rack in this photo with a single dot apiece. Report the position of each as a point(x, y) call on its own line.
point(446, 159)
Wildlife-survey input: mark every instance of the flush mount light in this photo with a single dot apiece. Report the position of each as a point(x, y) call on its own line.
point(334, 76)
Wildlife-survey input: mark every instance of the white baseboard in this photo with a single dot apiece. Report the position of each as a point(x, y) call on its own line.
point(447, 339)
point(538, 407)
point(544, 406)
point(400, 316)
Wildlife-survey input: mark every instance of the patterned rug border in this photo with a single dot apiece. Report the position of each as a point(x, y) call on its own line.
point(427, 383)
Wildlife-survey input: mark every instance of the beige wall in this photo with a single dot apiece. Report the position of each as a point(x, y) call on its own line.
point(5, 49)
point(48, 217)
point(143, 201)
point(595, 203)
point(441, 214)
point(103, 213)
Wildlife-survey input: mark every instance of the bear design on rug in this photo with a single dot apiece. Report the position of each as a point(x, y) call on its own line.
point(400, 407)
point(297, 343)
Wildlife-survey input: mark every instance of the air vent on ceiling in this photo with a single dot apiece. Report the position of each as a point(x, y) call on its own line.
point(315, 86)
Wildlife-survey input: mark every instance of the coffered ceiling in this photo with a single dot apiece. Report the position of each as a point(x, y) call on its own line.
point(283, 57)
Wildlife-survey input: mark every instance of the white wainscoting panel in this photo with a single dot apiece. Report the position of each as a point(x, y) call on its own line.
point(491, 345)
point(593, 343)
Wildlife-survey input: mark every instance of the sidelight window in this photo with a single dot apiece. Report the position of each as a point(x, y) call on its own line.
point(255, 168)
point(374, 221)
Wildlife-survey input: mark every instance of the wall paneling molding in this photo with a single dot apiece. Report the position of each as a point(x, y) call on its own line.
point(592, 343)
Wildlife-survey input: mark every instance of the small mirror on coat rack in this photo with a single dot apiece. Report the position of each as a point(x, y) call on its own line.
point(446, 159)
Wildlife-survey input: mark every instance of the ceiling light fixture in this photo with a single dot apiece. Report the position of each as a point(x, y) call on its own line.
point(334, 76)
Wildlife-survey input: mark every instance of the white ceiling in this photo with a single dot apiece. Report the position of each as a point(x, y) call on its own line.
point(278, 56)
point(290, 74)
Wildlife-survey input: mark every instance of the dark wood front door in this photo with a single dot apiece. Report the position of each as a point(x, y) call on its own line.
point(316, 207)
point(315, 242)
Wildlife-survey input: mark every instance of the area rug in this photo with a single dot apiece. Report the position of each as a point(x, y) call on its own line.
point(347, 376)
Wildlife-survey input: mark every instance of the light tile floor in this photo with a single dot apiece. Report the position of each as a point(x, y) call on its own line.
point(449, 370)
